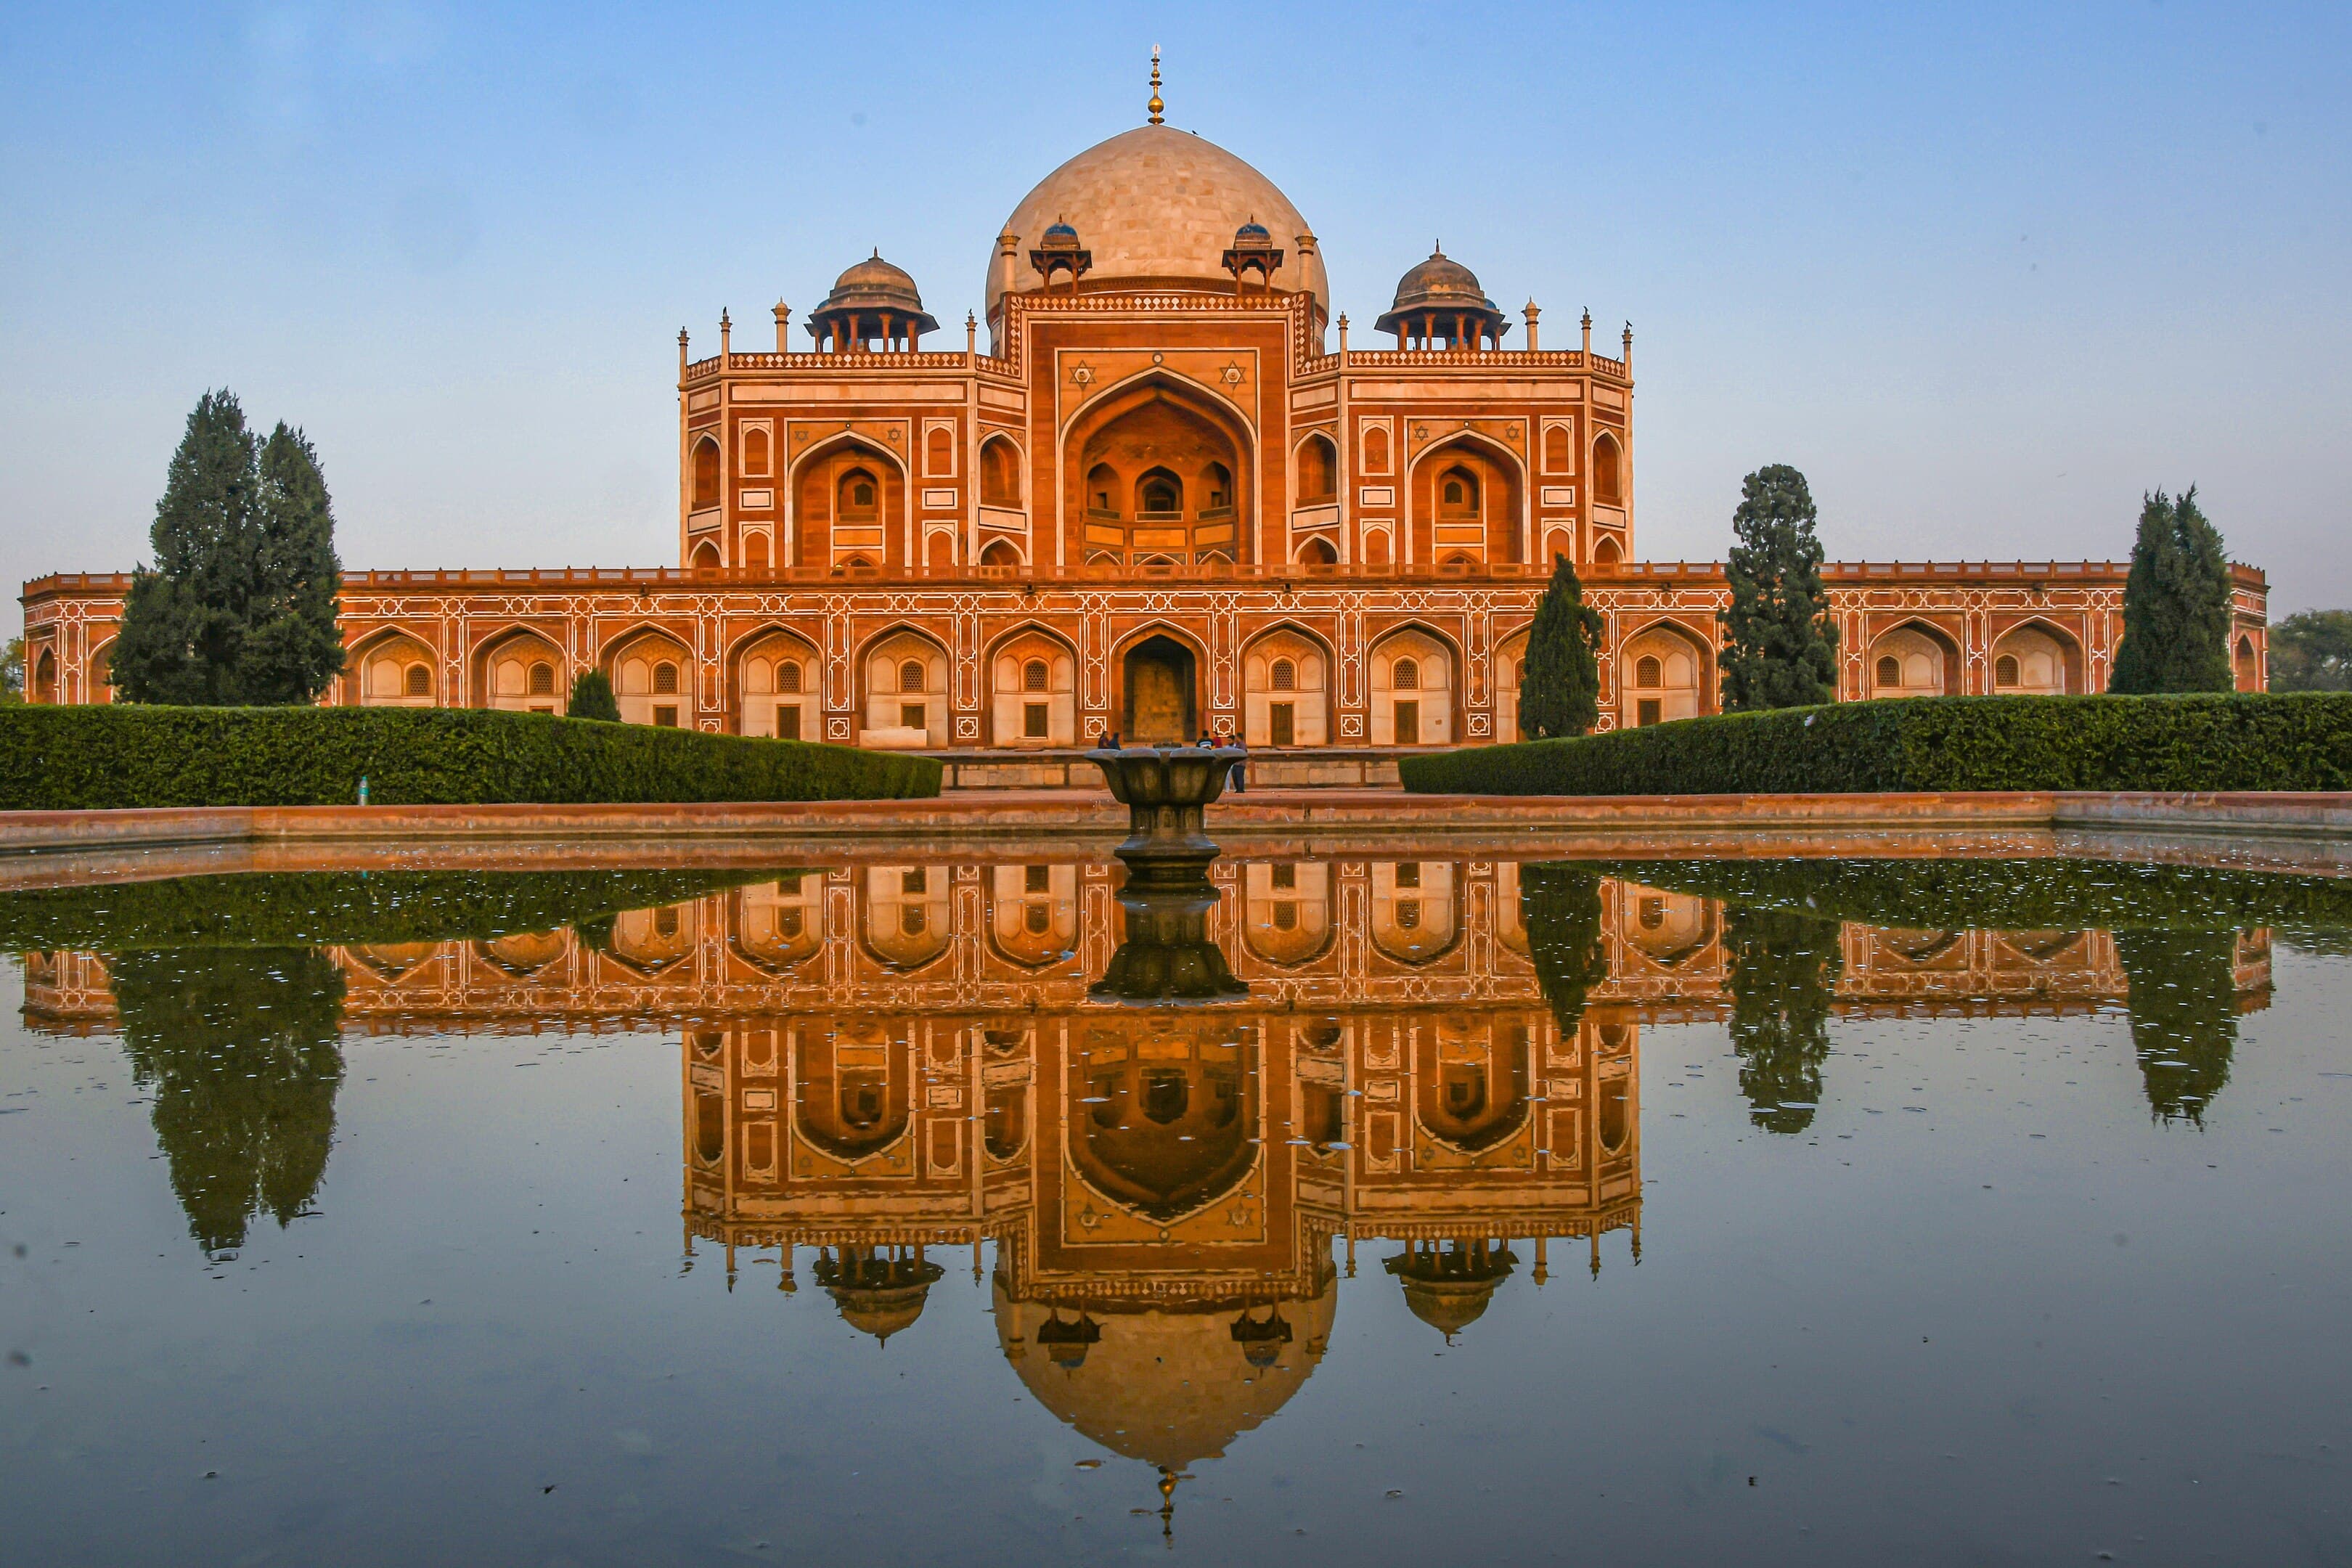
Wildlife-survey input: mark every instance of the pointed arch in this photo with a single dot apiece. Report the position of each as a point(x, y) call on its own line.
point(1415, 674)
point(774, 678)
point(1684, 668)
point(506, 669)
point(2017, 642)
point(653, 671)
point(1287, 679)
point(1509, 529)
point(1912, 657)
point(384, 667)
point(1198, 433)
point(892, 539)
point(900, 715)
point(1029, 706)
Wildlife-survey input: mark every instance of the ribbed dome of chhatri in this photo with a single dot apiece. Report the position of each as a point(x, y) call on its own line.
point(1444, 286)
point(875, 284)
point(1158, 206)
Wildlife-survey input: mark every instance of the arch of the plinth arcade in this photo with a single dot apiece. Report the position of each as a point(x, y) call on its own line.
point(652, 674)
point(778, 926)
point(521, 669)
point(1286, 911)
point(1416, 910)
point(1466, 499)
point(853, 1090)
point(851, 503)
point(1164, 1113)
point(1414, 675)
point(2036, 657)
point(775, 677)
point(1912, 658)
point(1004, 1120)
point(521, 955)
point(902, 678)
point(1664, 670)
point(1472, 1074)
point(1159, 697)
point(1033, 912)
point(1158, 471)
point(1509, 664)
point(1670, 930)
point(1286, 688)
point(394, 668)
point(652, 944)
point(1032, 690)
point(904, 917)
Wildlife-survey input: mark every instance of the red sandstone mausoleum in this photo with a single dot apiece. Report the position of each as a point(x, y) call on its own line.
point(1163, 499)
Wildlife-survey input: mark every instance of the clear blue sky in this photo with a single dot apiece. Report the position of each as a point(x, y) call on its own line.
point(1985, 273)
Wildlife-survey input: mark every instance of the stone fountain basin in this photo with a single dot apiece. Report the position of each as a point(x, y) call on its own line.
point(1165, 775)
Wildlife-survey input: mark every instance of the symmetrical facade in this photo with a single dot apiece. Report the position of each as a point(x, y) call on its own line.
point(1162, 500)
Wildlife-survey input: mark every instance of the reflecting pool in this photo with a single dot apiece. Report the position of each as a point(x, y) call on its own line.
point(1340, 1209)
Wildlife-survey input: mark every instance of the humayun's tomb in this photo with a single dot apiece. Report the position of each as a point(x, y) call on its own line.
point(1162, 500)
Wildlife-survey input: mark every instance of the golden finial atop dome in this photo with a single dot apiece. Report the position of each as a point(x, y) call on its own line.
point(1159, 110)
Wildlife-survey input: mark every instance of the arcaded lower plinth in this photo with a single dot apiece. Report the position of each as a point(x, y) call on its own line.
point(1164, 789)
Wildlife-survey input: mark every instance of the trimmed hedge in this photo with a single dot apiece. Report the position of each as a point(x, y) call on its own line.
point(2300, 741)
point(114, 755)
point(2037, 894)
point(302, 908)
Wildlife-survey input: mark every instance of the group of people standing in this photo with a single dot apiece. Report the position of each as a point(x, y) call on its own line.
point(1210, 740)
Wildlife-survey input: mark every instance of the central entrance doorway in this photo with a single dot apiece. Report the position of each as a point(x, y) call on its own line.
point(1159, 680)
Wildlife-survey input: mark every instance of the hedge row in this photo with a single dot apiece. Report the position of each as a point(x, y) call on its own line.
point(301, 908)
point(121, 755)
point(2039, 894)
point(2301, 740)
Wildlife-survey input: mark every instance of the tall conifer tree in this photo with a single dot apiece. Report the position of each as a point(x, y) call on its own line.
point(1560, 689)
point(293, 647)
point(2176, 604)
point(1782, 647)
point(240, 604)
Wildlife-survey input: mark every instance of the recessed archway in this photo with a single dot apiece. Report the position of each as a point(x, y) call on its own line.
point(776, 687)
point(2035, 659)
point(1154, 469)
point(905, 692)
point(1412, 690)
point(1159, 691)
point(1032, 686)
point(521, 671)
point(652, 677)
point(1661, 674)
point(1285, 689)
point(1913, 659)
point(395, 669)
point(1468, 499)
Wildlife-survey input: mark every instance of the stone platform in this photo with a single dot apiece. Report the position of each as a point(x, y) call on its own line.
point(2306, 833)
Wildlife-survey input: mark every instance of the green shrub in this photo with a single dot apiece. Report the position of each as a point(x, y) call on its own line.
point(297, 909)
point(2237, 741)
point(72, 758)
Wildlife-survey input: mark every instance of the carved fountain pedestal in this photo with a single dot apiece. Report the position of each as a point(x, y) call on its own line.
point(1168, 955)
point(1164, 789)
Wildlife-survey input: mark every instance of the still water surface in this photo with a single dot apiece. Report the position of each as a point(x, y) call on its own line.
point(1865, 1211)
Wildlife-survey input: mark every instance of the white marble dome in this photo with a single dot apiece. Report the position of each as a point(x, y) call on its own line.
point(1158, 206)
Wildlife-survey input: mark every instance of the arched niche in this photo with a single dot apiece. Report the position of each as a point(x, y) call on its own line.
point(850, 500)
point(1608, 469)
point(1032, 690)
point(1510, 668)
point(521, 671)
point(1316, 470)
point(778, 675)
point(1471, 1080)
point(2245, 665)
point(1000, 472)
point(1005, 1122)
point(395, 670)
point(1158, 689)
point(1468, 500)
point(98, 685)
point(906, 678)
point(1665, 929)
point(1416, 910)
point(1188, 450)
point(851, 1085)
point(779, 926)
point(1033, 912)
point(1166, 1111)
point(1002, 553)
point(653, 679)
point(654, 941)
point(706, 556)
point(905, 921)
point(1605, 550)
point(1286, 911)
point(2035, 659)
point(44, 676)
point(1412, 688)
point(1285, 689)
point(1316, 551)
point(1913, 659)
point(703, 465)
point(1661, 673)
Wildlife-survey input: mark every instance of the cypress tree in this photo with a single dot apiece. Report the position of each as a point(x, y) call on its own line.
point(293, 646)
point(1784, 970)
point(1781, 646)
point(240, 604)
point(2176, 603)
point(1559, 687)
point(592, 698)
point(180, 623)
